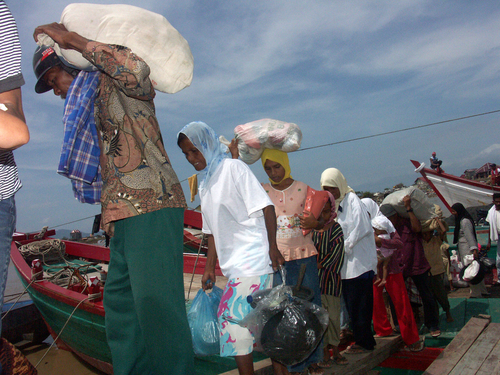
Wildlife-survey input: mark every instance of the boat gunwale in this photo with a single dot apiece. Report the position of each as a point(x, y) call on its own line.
point(477, 184)
point(52, 290)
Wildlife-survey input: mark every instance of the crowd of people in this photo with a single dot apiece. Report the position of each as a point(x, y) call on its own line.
point(354, 251)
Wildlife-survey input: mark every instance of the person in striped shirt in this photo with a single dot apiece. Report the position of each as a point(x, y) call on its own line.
point(329, 242)
point(14, 133)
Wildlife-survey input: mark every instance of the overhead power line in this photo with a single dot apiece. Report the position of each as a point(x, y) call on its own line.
point(399, 131)
point(394, 131)
point(352, 140)
point(71, 222)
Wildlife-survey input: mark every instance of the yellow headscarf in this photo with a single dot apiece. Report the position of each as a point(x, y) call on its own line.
point(279, 157)
point(332, 177)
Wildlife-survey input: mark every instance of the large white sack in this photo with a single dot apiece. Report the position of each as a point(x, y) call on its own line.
point(149, 35)
point(422, 208)
point(255, 136)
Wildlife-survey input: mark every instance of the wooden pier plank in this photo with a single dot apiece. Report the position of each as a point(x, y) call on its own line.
point(458, 347)
point(491, 365)
point(358, 363)
point(478, 352)
point(363, 363)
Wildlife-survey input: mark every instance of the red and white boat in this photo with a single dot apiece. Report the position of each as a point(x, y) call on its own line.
point(452, 189)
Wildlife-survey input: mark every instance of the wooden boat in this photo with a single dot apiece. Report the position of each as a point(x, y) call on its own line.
point(193, 237)
point(452, 189)
point(61, 307)
point(75, 321)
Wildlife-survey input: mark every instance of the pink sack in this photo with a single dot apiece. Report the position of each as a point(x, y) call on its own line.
point(315, 202)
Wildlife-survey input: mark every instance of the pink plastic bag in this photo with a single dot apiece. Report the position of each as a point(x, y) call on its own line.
point(315, 202)
point(255, 136)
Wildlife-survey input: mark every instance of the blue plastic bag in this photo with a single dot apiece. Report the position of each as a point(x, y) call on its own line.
point(202, 319)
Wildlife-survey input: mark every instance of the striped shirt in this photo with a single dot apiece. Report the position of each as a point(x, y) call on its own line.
point(10, 78)
point(330, 245)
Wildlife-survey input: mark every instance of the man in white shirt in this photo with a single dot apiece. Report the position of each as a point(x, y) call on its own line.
point(493, 219)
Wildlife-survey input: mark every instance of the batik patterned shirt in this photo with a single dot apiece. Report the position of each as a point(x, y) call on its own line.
point(137, 175)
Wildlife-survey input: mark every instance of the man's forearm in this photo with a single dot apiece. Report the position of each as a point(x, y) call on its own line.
point(66, 39)
point(415, 223)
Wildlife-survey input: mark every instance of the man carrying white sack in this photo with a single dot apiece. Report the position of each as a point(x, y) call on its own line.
point(141, 198)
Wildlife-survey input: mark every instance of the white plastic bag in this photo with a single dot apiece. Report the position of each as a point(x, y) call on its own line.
point(471, 271)
point(468, 259)
point(255, 136)
point(149, 35)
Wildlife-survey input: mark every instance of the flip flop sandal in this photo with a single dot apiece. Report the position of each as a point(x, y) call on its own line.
point(326, 364)
point(355, 349)
point(416, 347)
point(342, 361)
point(436, 333)
point(315, 370)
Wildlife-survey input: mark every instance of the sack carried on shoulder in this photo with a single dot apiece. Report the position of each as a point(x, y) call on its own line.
point(149, 35)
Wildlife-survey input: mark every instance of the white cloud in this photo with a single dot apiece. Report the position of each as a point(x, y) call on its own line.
point(492, 150)
point(338, 69)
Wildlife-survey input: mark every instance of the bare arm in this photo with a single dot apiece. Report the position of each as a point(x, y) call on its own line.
point(467, 228)
point(233, 148)
point(209, 273)
point(14, 132)
point(309, 222)
point(66, 39)
point(271, 226)
point(442, 229)
point(120, 63)
point(415, 223)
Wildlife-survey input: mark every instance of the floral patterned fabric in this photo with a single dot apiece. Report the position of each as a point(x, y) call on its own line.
point(289, 204)
point(136, 172)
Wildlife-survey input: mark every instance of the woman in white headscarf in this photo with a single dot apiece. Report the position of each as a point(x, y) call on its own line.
point(240, 224)
point(360, 260)
point(372, 207)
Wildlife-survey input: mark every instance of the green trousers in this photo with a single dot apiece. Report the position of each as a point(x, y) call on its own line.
point(437, 287)
point(146, 323)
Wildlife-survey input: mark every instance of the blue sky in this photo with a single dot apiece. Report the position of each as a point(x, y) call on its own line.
point(338, 69)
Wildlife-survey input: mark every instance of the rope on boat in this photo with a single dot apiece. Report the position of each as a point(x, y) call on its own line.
point(195, 264)
point(191, 241)
point(8, 299)
point(49, 250)
point(62, 329)
point(54, 251)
